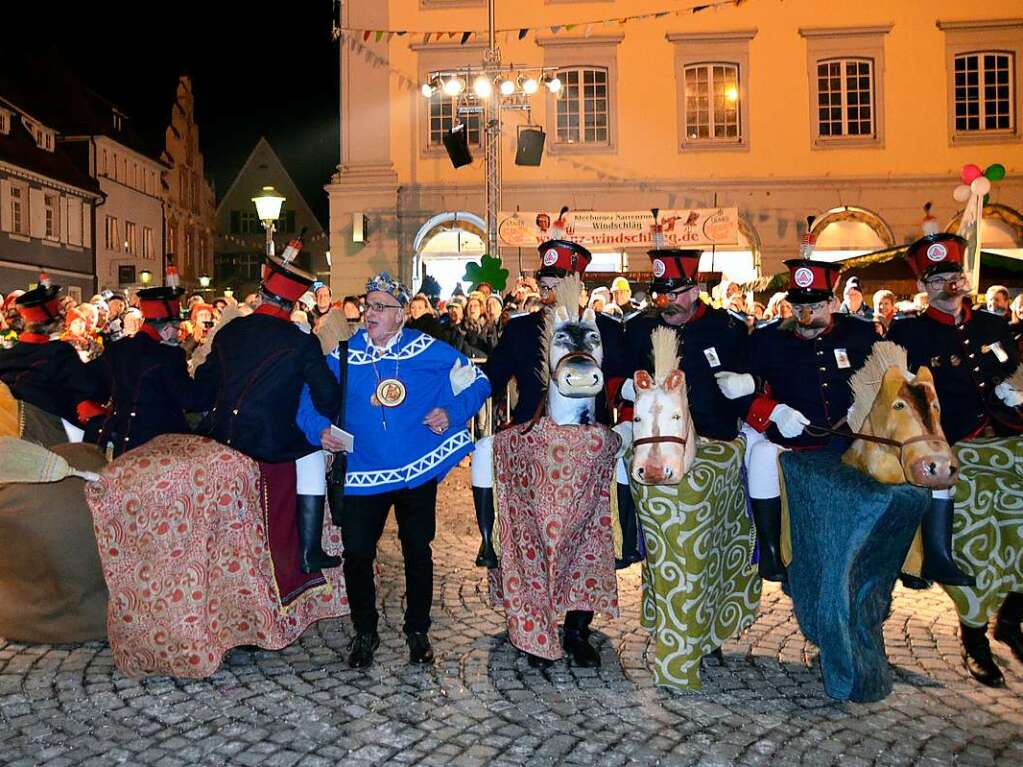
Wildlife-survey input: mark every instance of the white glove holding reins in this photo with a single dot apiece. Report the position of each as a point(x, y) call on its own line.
point(790, 421)
point(1009, 394)
point(623, 430)
point(735, 385)
point(628, 390)
point(461, 376)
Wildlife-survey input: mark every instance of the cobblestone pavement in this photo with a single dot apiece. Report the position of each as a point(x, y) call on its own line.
point(482, 704)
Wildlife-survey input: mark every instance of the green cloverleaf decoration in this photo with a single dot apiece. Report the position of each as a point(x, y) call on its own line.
point(489, 271)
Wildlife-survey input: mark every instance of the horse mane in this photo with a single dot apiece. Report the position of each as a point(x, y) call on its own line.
point(566, 295)
point(665, 353)
point(866, 382)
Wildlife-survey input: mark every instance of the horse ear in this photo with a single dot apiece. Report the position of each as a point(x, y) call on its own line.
point(924, 375)
point(676, 380)
point(892, 381)
point(642, 380)
point(589, 316)
point(561, 314)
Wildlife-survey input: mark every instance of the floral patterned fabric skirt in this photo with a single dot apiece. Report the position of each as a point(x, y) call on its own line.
point(988, 530)
point(552, 487)
point(699, 588)
point(198, 546)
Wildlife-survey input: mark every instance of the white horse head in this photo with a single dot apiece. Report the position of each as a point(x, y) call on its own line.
point(664, 440)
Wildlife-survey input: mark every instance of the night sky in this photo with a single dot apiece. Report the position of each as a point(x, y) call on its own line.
point(257, 69)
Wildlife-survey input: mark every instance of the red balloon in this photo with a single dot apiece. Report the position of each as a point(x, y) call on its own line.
point(970, 172)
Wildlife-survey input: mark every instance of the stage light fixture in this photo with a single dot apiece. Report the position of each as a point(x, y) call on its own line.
point(553, 83)
point(427, 90)
point(507, 87)
point(482, 87)
point(530, 86)
point(454, 86)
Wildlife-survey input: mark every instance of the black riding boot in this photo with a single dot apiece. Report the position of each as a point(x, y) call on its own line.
point(576, 642)
point(630, 528)
point(977, 656)
point(936, 530)
point(309, 516)
point(767, 516)
point(483, 500)
point(1007, 627)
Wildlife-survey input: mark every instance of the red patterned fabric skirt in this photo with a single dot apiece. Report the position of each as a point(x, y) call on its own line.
point(552, 488)
point(199, 550)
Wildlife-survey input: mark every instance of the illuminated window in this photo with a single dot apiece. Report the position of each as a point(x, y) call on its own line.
point(712, 102)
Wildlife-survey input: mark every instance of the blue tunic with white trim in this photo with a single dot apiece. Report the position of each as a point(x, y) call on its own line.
point(394, 449)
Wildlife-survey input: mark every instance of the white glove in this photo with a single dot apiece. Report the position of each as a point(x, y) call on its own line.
point(1009, 394)
point(628, 391)
point(735, 385)
point(789, 420)
point(461, 377)
point(623, 430)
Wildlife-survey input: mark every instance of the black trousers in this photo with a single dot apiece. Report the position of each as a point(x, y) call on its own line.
point(362, 523)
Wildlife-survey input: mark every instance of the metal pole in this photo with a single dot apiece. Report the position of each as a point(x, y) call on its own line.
point(270, 238)
point(492, 155)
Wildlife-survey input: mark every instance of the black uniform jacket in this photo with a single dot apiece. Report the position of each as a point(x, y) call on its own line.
point(811, 376)
point(713, 341)
point(51, 376)
point(251, 382)
point(517, 355)
point(966, 360)
point(151, 392)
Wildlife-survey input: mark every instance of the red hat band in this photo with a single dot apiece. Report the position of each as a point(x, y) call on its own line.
point(937, 253)
point(159, 309)
point(41, 312)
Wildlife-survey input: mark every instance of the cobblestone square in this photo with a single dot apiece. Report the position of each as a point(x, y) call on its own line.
point(482, 704)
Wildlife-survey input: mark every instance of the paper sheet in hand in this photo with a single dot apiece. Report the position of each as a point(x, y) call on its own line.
point(347, 439)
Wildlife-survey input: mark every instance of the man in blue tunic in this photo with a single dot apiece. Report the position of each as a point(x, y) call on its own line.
point(408, 399)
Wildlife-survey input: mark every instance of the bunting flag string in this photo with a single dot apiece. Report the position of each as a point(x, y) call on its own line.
point(464, 36)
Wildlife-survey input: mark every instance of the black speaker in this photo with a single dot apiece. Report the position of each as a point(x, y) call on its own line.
point(530, 146)
point(456, 141)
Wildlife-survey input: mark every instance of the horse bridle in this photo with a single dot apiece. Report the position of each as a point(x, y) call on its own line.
point(820, 431)
point(659, 439)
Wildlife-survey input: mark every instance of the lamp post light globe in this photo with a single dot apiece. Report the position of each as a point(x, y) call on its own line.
point(268, 208)
point(204, 281)
point(145, 277)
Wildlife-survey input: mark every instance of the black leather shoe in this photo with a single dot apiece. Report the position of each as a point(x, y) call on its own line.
point(535, 661)
point(1011, 635)
point(582, 653)
point(419, 651)
point(977, 657)
point(361, 650)
point(912, 582)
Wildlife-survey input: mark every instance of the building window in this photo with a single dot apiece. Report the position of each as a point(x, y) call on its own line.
point(444, 116)
point(19, 214)
point(172, 239)
point(110, 238)
point(131, 240)
point(147, 242)
point(845, 97)
point(126, 274)
point(583, 113)
point(102, 162)
point(50, 205)
point(712, 102)
point(983, 91)
point(5, 122)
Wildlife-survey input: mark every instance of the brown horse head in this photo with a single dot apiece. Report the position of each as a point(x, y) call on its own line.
point(904, 410)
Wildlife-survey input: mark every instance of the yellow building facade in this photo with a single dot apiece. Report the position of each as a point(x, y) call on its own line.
point(856, 113)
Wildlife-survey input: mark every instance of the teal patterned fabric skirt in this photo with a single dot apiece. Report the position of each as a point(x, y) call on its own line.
point(988, 533)
point(699, 588)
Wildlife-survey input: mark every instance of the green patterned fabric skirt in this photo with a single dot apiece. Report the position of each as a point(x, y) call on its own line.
point(699, 588)
point(988, 533)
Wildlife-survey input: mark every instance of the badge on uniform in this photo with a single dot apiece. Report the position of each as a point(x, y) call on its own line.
point(997, 350)
point(841, 358)
point(935, 362)
point(712, 357)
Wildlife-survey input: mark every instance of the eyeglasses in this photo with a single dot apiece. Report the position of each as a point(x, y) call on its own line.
point(940, 280)
point(379, 307)
point(815, 307)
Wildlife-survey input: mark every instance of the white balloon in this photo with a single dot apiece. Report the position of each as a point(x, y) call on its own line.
point(961, 193)
point(980, 186)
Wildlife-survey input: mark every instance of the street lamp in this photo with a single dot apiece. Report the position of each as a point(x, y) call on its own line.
point(228, 293)
point(268, 208)
point(204, 282)
point(145, 277)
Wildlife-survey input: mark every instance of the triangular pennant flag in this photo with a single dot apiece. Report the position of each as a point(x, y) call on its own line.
point(588, 30)
point(402, 33)
point(426, 38)
point(522, 33)
point(451, 35)
point(365, 35)
point(389, 36)
point(698, 8)
point(569, 27)
point(378, 35)
point(555, 29)
point(465, 37)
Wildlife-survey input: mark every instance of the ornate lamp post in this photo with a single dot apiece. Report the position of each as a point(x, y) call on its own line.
point(268, 207)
